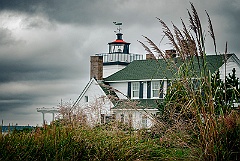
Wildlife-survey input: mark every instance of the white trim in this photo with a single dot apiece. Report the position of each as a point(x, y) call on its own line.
point(85, 89)
point(235, 59)
point(138, 80)
point(88, 85)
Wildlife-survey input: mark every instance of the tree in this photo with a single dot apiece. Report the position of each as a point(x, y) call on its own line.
point(232, 86)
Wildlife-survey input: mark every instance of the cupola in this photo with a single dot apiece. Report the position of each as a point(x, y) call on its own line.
point(119, 45)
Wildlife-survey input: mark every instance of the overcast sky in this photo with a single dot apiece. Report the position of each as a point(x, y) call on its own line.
point(45, 45)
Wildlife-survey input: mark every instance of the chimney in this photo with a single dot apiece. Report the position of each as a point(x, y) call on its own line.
point(96, 67)
point(150, 56)
point(171, 53)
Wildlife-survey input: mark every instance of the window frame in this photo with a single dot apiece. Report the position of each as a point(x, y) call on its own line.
point(135, 89)
point(154, 83)
point(160, 89)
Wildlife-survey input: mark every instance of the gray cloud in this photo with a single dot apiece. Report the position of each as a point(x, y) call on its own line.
point(6, 37)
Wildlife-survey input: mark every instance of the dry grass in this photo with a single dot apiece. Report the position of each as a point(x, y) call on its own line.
point(190, 106)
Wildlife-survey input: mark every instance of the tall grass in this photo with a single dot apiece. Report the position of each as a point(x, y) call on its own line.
point(189, 106)
point(57, 142)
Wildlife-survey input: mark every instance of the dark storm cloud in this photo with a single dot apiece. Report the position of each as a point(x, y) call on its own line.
point(95, 12)
point(8, 105)
point(21, 71)
point(227, 21)
point(74, 11)
point(18, 5)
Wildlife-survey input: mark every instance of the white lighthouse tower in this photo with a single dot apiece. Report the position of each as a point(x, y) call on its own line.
point(117, 58)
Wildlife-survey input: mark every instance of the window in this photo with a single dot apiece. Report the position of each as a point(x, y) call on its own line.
point(130, 120)
point(116, 48)
point(108, 119)
point(144, 121)
point(157, 89)
point(113, 116)
point(122, 118)
point(86, 98)
point(102, 118)
point(135, 89)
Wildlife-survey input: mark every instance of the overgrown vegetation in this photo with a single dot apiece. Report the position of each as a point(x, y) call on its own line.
point(63, 142)
point(198, 106)
point(197, 120)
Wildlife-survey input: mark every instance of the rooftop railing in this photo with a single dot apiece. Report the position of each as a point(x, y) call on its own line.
point(120, 57)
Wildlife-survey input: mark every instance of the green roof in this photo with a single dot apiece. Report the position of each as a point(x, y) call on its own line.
point(161, 69)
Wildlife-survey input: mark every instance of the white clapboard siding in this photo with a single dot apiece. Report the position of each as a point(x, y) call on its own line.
point(111, 69)
point(231, 63)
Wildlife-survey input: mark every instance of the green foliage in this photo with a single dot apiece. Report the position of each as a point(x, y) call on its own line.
point(223, 101)
point(218, 90)
point(233, 88)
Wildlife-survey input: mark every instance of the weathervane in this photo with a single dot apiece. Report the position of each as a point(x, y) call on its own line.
point(119, 26)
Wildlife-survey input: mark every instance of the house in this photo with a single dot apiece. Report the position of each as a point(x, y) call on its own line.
point(119, 76)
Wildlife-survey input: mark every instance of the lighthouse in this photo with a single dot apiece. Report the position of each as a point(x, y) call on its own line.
point(117, 58)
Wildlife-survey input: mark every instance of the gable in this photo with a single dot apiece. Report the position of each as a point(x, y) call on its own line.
point(232, 62)
point(92, 90)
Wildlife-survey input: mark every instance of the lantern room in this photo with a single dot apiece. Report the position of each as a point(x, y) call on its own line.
point(119, 46)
